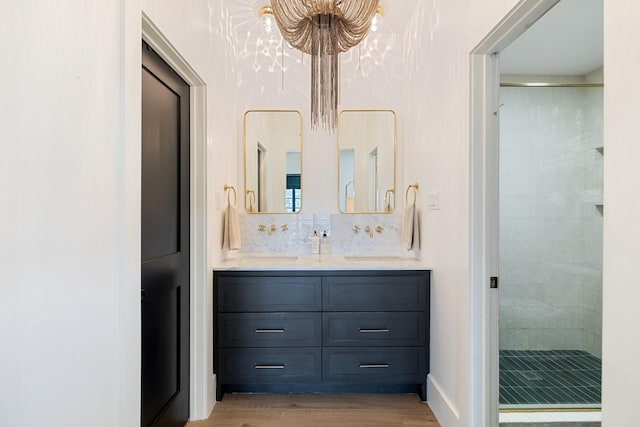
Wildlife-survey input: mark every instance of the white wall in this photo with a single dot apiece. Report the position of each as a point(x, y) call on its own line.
point(62, 160)
point(436, 107)
point(70, 167)
point(621, 293)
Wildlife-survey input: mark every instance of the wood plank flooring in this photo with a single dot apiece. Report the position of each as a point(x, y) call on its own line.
point(320, 410)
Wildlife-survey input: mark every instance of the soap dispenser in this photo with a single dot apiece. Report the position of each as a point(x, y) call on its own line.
point(325, 247)
point(315, 243)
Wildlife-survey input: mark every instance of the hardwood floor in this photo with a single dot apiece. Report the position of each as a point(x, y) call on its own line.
point(320, 410)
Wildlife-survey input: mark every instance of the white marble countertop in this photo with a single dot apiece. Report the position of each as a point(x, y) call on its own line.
point(251, 262)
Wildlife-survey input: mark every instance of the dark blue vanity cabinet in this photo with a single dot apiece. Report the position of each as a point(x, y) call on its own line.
point(321, 331)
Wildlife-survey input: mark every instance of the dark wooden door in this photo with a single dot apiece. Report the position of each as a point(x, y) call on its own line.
point(165, 244)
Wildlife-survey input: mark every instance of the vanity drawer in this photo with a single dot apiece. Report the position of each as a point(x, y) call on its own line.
point(374, 329)
point(375, 293)
point(269, 293)
point(270, 365)
point(269, 329)
point(374, 364)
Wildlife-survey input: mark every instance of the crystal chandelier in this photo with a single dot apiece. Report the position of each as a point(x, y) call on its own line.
point(323, 29)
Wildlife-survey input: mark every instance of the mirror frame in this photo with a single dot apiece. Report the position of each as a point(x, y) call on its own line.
point(395, 155)
point(244, 152)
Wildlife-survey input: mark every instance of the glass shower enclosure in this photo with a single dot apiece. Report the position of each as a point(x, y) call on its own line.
point(551, 210)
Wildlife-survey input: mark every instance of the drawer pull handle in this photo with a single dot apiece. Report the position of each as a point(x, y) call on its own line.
point(270, 331)
point(368, 331)
point(374, 365)
point(268, 366)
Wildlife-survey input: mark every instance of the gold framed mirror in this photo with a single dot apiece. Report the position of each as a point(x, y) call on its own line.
point(367, 161)
point(272, 161)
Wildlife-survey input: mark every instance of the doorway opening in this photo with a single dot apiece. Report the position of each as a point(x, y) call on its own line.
point(536, 213)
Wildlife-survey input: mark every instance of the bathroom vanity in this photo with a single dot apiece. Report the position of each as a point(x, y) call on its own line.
point(354, 329)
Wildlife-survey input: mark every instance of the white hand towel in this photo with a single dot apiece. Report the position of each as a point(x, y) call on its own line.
point(231, 233)
point(411, 228)
point(407, 226)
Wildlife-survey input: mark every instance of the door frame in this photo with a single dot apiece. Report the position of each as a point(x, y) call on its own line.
point(484, 209)
point(200, 374)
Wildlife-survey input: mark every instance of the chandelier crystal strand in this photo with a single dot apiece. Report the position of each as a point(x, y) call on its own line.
point(323, 29)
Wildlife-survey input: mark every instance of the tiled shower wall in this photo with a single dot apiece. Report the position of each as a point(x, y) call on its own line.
point(551, 219)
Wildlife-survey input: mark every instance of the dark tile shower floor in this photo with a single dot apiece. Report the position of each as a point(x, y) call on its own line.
point(549, 377)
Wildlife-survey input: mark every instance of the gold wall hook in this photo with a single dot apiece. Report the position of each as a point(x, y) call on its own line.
point(235, 196)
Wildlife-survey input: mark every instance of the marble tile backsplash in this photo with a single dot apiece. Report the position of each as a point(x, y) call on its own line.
point(296, 238)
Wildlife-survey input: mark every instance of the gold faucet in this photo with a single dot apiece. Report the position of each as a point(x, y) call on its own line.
point(271, 229)
point(369, 230)
point(356, 229)
point(379, 229)
point(261, 228)
point(284, 227)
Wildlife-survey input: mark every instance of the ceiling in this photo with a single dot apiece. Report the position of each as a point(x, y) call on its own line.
point(397, 14)
point(567, 40)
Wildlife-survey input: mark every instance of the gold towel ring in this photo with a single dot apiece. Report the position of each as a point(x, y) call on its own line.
point(415, 187)
point(235, 196)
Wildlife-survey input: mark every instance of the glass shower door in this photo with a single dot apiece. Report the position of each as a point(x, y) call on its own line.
point(550, 326)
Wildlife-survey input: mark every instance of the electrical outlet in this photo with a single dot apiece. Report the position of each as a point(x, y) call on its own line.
point(433, 201)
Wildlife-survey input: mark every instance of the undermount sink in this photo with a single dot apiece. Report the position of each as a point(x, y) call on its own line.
point(269, 259)
point(372, 258)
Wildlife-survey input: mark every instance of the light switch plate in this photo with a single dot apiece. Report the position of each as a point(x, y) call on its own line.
point(433, 201)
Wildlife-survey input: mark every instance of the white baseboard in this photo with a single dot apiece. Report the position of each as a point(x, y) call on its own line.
point(442, 407)
point(211, 393)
